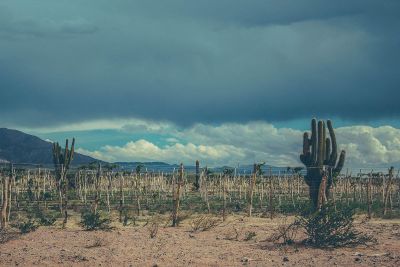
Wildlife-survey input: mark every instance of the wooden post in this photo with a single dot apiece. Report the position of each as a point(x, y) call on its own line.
point(224, 199)
point(6, 181)
point(121, 197)
point(387, 189)
point(369, 197)
point(176, 196)
point(109, 177)
point(251, 189)
point(205, 175)
point(97, 185)
point(270, 204)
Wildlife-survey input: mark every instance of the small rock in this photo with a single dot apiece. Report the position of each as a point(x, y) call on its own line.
point(285, 258)
point(245, 259)
point(357, 259)
point(358, 254)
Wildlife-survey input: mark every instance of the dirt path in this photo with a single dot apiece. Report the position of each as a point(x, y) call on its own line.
point(132, 246)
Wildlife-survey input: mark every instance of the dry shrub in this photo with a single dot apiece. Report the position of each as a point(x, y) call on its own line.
point(153, 229)
point(153, 224)
point(333, 228)
point(234, 233)
point(286, 232)
point(249, 235)
point(183, 215)
point(7, 235)
point(327, 228)
point(98, 242)
point(203, 223)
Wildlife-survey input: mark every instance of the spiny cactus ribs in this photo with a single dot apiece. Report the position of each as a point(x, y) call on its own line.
point(62, 160)
point(61, 165)
point(321, 158)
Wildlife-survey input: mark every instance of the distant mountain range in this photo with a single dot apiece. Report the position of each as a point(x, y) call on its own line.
point(21, 148)
point(168, 168)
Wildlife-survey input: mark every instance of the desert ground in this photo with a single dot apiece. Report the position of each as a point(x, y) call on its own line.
point(236, 242)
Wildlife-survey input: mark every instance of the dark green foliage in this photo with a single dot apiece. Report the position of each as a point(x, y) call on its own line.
point(94, 221)
point(332, 228)
point(128, 218)
point(228, 171)
point(258, 168)
point(47, 196)
point(249, 235)
point(139, 168)
point(26, 226)
point(45, 218)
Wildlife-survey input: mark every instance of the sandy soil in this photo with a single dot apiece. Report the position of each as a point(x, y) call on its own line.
point(132, 246)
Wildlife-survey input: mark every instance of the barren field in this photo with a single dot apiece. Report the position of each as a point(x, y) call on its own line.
point(223, 245)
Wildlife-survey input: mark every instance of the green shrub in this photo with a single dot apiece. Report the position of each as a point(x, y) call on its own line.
point(249, 235)
point(45, 218)
point(94, 221)
point(26, 226)
point(332, 228)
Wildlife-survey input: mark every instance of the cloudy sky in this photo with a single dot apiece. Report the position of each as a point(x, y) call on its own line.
point(223, 81)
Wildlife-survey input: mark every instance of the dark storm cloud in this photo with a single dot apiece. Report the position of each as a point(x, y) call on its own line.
point(198, 61)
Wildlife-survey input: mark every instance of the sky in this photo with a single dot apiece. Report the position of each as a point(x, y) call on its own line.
point(223, 81)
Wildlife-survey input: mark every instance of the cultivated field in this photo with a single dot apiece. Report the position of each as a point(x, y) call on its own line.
point(214, 225)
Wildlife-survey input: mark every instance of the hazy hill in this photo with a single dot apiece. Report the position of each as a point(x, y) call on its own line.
point(19, 147)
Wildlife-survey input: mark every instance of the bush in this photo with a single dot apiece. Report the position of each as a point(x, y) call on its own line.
point(94, 221)
point(45, 218)
point(332, 228)
point(26, 226)
point(203, 223)
point(249, 236)
point(286, 232)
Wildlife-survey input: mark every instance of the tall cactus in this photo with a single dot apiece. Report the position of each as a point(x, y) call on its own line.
point(62, 161)
point(321, 159)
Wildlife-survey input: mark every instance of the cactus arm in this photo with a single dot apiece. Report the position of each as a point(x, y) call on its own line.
point(327, 150)
point(321, 142)
point(314, 141)
point(71, 152)
point(340, 164)
point(333, 157)
point(306, 144)
point(55, 158)
point(65, 159)
point(306, 156)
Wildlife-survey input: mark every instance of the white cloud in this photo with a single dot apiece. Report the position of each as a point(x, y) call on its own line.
point(143, 150)
point(369, 146)
point(233, 143)
point(128, 125)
